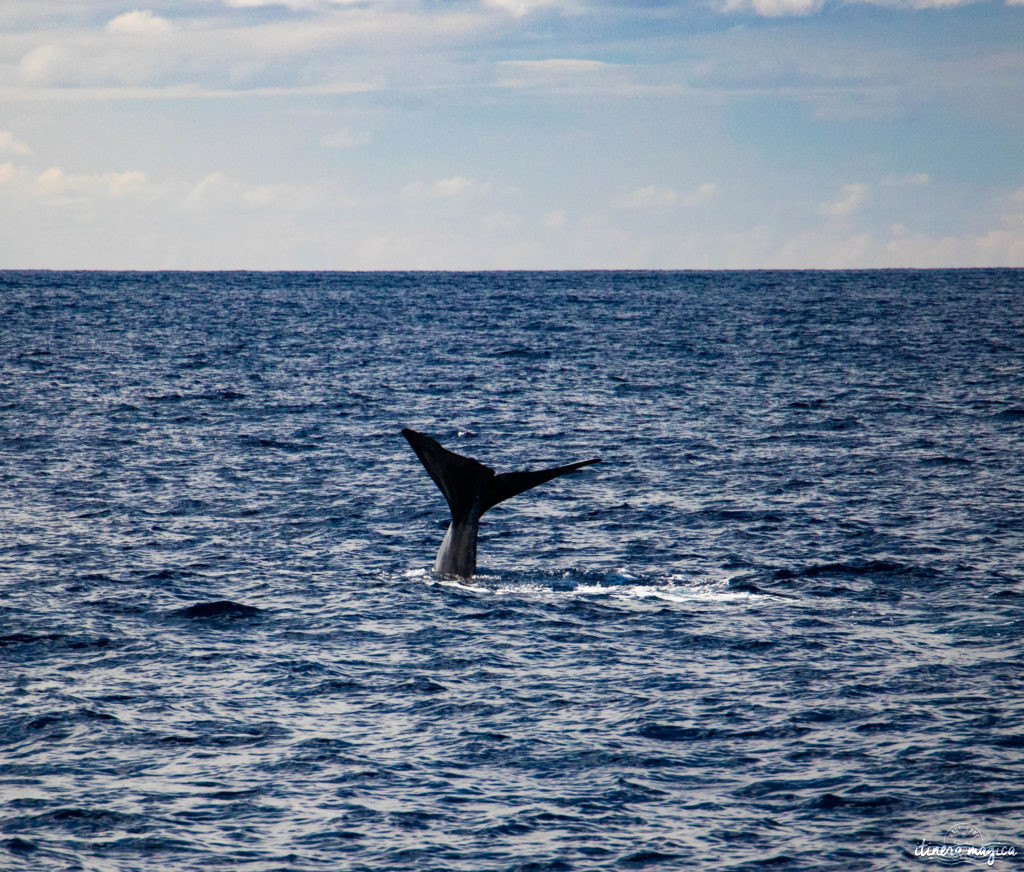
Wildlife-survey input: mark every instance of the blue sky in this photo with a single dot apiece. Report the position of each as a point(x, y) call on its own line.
point(479, 134)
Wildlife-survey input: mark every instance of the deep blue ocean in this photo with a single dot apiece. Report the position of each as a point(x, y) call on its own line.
point(779, 627)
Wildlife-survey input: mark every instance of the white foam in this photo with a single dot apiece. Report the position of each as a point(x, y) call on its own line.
point(621, 585)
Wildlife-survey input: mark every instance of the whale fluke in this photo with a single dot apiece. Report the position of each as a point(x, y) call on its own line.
point(471, 488)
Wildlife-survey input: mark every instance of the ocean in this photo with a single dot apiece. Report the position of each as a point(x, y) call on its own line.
point(780, 626)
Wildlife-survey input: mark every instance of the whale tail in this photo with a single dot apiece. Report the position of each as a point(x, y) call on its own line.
point(471, 488)
point(462, 480)
point(508, 484)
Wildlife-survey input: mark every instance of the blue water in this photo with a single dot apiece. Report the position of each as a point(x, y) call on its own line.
point(780, 626)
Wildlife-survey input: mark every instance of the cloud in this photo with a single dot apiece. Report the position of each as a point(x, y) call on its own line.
point(345, 138)
point(215, 190)
point(123, 183)
point(851, 196)
point(995, 248)
point(920, 4)
point(555, 219)
point(789, 8)
point(41, 63)
point(553, 72)
point(189, 92)
point(208, 50)
point(443, 189)
point(140, 21)
point(55, 186)
point(500, 223)
point(9, 143)
point(905, 180)
point(585, 76)
point(704, 192)
point(519, 8)
point(333, 49)
point(54, 182)
point(557, 65)
point(773, 8)
point(290, 4)
point(218, 192)
point(651, 197)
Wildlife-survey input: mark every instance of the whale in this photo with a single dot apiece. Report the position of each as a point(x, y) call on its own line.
point(471, 488)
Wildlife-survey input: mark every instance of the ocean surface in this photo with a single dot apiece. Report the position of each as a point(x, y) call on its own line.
point(779, 627)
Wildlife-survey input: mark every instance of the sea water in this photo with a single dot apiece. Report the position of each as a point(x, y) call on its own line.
point(779, 626)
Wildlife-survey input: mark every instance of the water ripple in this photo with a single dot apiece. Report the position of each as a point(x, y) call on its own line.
point(780, 626)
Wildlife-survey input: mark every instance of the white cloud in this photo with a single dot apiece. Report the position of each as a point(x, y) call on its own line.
point(784, 8)
point(576, 76)
point(213, 191)
point(55, 186)
point(555, 219)
point(290, 4)
point(218, 192)
point(335, 49)
point(773, 8)
point(851, 196)
point(920, 4)
point(122, 183)
point(139, 21)
point(908, 179)
point(9, 143)
point(553, 72)
point(188, 92)
point(704, 192)
point(557, 65)
point(55, 183)
point(500, 222)
point(1002, 247)
point(520, 8)
point(41, 63)
point(651, 197)
point(345, 138)
point(455, 186)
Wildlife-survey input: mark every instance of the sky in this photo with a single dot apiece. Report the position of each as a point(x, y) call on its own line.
point(511, 134)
